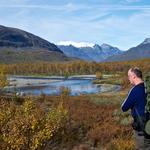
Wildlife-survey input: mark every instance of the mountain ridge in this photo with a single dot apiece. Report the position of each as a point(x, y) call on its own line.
point(19, 42)
point(138, 52)
point(17, 45)
point(90, 53)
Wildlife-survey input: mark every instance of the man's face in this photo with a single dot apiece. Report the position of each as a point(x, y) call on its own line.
point(131, 77)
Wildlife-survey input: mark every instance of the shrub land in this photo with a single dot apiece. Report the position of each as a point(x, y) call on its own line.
point(85, 122)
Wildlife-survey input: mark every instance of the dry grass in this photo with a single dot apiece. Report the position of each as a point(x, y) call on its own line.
point(95, 121)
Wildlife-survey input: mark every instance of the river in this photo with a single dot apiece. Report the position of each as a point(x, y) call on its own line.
point(52, 85)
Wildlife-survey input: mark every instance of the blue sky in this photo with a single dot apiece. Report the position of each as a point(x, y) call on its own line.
point(120, 23)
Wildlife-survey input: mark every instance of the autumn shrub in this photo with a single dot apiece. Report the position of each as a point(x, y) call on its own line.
point(124, 81)
point(99, 75)
point(42, 96)
point(122, 144)
point(96, 124)
point(66, 75)
point(103, 133)
point(89, 118)
point(28, 126)
point(68, 123)
point(3, 77)
point(64, 92)
point(123, 119)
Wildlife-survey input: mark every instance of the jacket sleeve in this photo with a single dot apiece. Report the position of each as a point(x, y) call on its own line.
point(129, 101)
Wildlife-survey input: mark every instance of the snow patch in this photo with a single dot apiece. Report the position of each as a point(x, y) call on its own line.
point(76, 44)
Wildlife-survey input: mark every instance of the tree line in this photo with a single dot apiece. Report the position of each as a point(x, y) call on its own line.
point(72, 68)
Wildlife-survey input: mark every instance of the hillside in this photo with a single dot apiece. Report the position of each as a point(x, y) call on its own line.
point(18, 46)
point(139, 52)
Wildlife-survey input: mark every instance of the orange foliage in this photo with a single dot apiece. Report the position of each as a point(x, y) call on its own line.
point(79, 67)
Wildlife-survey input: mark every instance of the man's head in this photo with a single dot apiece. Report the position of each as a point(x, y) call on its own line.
point(134, 75)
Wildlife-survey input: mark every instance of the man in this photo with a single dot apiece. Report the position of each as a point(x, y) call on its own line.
point(136, 101)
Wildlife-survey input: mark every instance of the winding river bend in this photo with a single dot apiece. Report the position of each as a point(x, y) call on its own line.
point(52, 85)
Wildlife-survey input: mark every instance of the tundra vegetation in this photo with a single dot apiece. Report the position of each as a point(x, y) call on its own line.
point(91, 122)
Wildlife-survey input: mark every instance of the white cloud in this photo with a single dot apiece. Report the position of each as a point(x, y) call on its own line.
point(13, 2)
point(76, 22)
point(76, 7)
point(66, 7)
point(133, 1)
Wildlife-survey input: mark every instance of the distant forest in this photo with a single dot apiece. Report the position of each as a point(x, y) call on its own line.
point(72, 68)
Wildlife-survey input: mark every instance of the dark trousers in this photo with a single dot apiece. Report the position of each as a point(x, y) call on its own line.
point(141, 142)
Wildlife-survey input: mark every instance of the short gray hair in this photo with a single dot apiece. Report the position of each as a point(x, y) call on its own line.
point(137, 72)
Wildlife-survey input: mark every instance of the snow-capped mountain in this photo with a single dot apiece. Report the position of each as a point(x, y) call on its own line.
point(88, 51)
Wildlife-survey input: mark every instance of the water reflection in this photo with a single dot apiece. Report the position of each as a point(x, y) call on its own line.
point(76, 87)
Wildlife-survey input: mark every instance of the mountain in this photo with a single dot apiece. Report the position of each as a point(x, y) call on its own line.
point(90, 53)
point(72, 51)
point(18, 46)
point(139, 52)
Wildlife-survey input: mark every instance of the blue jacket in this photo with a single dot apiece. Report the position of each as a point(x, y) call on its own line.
point(135, 101)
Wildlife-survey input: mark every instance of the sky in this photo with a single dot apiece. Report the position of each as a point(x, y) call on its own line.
point(120, 23)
